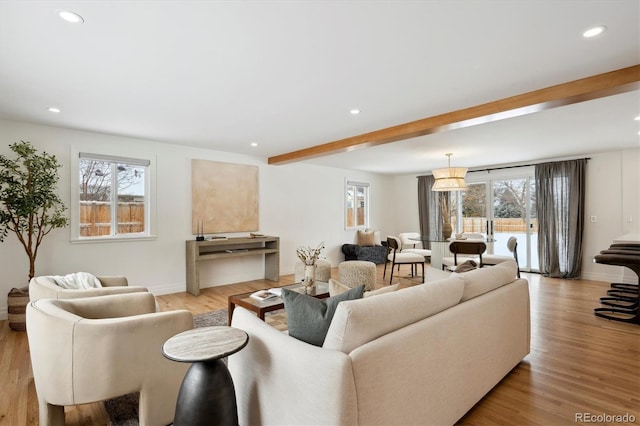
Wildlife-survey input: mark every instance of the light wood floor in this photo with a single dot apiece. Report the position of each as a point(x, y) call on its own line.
point(578, 363)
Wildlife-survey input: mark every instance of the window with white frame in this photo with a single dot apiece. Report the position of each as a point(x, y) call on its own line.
point(113, 197)
point(356, 204)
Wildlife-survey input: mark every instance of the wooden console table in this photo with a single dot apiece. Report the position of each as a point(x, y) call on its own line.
point(232, 247)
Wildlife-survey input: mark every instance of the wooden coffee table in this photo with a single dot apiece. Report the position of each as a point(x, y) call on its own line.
point(261, 307)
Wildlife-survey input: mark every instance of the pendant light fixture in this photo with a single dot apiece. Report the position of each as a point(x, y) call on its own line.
point(449, 179)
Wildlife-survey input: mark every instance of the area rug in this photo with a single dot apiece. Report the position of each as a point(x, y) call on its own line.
point(123, 410)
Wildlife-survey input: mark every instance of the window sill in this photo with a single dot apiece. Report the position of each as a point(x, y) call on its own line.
point(87, 240)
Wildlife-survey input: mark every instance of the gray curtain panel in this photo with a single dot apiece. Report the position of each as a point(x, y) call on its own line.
point(428, 211)
point(560, 193)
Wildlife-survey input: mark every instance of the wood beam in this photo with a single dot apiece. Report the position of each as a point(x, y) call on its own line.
point(584, 89)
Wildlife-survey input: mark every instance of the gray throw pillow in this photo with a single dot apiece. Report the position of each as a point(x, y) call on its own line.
point(308, 318)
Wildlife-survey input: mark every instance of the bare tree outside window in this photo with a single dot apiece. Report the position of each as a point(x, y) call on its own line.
point(111, 190)
point(510, 198)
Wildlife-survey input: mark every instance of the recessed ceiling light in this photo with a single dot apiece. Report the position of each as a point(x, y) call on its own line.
point(254, 144)
point(69, 16)
point(592, 32)
point(54, 109)
point(637, 118)
point(354, 111)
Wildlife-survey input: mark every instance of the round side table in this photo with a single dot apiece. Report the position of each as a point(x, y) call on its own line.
point(207, 395)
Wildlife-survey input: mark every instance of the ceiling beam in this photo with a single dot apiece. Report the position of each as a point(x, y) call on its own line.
point(584, 89)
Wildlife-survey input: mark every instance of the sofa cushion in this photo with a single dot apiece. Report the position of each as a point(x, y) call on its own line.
point(365, 239)
point(359, 321)
point(480, 281)
point(308, 318)
point(336, 288)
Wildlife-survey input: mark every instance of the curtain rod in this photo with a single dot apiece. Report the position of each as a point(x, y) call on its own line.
point(523, 165)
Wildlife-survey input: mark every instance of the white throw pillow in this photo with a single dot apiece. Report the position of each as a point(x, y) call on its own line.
point(436, 274)
point(336, 288)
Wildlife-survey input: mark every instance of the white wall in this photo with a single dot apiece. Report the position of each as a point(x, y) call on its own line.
point(612, 196)
point(300, 203)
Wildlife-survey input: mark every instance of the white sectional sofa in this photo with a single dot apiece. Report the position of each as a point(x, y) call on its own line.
point(422, 355)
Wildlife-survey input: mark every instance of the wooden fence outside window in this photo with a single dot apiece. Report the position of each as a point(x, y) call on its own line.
point(500, 225)
point(95, 218)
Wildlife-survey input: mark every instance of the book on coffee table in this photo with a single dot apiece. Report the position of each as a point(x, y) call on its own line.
point(266, 294)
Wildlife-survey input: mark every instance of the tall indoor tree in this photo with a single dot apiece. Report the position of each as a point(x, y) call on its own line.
point(29, 204)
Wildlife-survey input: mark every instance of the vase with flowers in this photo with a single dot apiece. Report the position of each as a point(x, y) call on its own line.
point(309, 256)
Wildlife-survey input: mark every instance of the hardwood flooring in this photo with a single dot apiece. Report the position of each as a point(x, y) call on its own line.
point(581, 369)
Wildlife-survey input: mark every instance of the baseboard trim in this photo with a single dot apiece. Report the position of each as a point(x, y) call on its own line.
point(607, 278)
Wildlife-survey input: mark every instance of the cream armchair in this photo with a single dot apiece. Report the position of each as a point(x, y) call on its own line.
point(44, 287)
point(96, 348)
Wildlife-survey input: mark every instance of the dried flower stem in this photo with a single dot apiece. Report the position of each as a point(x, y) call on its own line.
point(308, 255)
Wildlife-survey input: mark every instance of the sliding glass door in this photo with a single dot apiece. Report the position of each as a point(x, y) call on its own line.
point(512, 202)
point(473, 210)
point(501, 207)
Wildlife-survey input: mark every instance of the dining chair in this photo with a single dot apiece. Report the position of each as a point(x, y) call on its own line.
point(463, 251)
point(494, 259)
point(396, 257)
point(409, 243)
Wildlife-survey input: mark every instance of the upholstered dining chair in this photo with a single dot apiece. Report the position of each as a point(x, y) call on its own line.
point(409, 244)
point(463, 251)
point(91, 349)
point(396, 257)
point(494, 259)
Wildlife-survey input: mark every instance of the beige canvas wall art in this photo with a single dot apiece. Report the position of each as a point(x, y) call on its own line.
point(224, 197)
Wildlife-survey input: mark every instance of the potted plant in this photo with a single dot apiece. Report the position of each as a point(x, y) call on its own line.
point(29, 204)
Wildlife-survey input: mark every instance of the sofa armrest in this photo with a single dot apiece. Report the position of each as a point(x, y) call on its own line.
point(350, 250)
point(282, 380)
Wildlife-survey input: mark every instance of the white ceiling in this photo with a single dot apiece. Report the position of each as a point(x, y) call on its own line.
point(284, 74)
